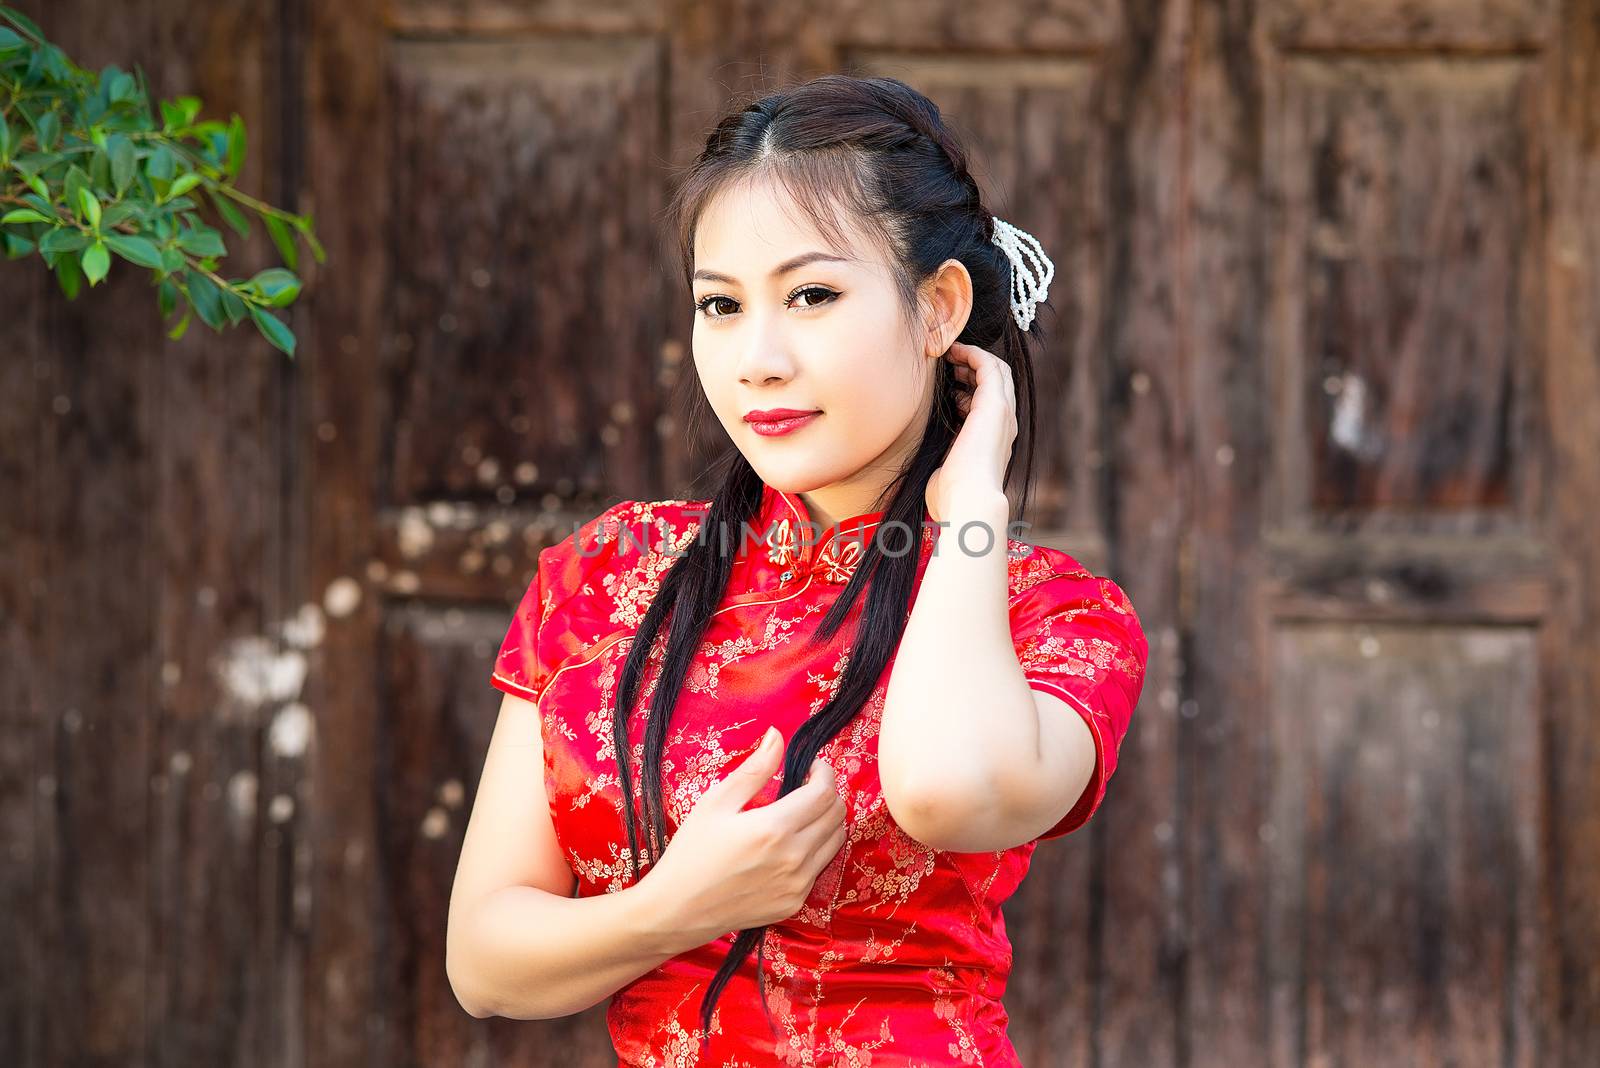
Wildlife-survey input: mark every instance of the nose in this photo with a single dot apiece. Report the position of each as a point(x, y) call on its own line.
point(765, 357)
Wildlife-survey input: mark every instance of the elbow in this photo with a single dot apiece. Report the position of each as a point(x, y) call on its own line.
point(472, 982)
point(460, 977)
point(941, 815)
point(467, 969)
point(472, 1007)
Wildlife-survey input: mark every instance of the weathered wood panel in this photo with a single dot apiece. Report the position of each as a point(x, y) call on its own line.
point(1402, 228)
point(150, 880)
point(1402, 842)
point(523, 285)
point(1567, 312)
point(1320, 392)
point(1370, 349)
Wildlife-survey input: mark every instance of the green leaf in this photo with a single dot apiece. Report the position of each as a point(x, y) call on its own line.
point(96, 261)
point(55, 61)
point(63, 239)
point(36, 184)
point(10, 40)
point(124, 162)
point(282, 238)
point(48, 128)
point(171, 259)
point(90, 205)
point(304, 225)
point(70, 276)
point(24, 215)
point(36, 162)
point(232, 306)
point(29, 27)
point(74, 185)
point(166, 297)
point(273, 329)
point(5, 142)
point(202, 241)
point(183, 324)
point(15, 245)
point(35, 72)
point(121, 88)
point(230, 214)
point(136, 249)
point(206, 298)
point(236, 145)
point(182, 185)
point(278, 286)
point(189, 106)
point(161, 164)
point(120, 212)
point(100, 169)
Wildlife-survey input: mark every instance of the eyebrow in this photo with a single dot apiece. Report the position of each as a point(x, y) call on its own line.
point(781, 269)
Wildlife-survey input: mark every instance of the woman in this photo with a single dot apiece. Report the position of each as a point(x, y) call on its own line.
point(854, 704)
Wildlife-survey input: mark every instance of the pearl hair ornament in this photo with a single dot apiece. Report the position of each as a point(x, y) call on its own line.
point(1031, 269)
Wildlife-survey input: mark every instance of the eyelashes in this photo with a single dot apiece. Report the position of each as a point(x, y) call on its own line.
point(702, 305)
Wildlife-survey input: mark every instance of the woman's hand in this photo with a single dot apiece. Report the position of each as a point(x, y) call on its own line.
point(975, 467)
point(728, 868)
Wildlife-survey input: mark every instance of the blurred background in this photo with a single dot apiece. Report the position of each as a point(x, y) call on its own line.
point(1322, 393)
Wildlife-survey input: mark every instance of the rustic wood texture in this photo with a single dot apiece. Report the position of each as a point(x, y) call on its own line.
point(1320, 390)
point(154, 902)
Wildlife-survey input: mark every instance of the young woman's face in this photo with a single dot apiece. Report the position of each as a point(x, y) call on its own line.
point(825, 336)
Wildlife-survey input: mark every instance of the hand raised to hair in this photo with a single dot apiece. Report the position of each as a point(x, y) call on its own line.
point(975, 467)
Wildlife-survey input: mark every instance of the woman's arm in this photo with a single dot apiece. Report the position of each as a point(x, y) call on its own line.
point(966, 760)
point(517, 943)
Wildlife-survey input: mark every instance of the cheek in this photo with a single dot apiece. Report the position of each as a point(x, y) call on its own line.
point(707, 365)
point(877, 397)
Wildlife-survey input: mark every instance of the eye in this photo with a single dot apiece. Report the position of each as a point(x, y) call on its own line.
point(817, 295)
point(704, 302)
point(827, 294)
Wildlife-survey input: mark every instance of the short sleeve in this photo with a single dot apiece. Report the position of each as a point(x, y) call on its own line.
point(519, 669)
point(543, 634)
point(1078, 637)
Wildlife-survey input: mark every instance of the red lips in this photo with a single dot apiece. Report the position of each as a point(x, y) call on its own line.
point(775, 422)
point(772, 415)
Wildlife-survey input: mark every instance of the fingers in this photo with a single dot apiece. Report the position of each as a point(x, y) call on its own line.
point(976, 371)
point(822, 841)
point(815, 801)
point(973, 365)
point(745, 781)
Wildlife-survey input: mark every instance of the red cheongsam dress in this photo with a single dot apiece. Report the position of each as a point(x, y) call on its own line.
point(900, 955)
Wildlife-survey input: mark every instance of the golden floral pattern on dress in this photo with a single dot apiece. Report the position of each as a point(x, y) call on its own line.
point(783, 544)
point(894, 956)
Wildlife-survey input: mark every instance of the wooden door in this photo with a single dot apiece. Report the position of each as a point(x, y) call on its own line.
point(1320, 392)
point(1387, 727)
point(504, 366)
point(1321, 335)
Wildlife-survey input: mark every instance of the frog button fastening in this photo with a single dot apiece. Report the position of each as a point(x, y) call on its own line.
point(839, 557)
point(783, 547)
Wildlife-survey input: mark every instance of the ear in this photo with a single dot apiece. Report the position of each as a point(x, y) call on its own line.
point(949, 302)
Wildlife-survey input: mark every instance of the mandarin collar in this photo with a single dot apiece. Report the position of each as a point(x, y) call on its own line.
point(791, 543)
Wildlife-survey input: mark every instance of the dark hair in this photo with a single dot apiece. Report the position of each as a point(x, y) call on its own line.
point(878, 151)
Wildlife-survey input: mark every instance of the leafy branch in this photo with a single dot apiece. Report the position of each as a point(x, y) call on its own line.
point(88, 171)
